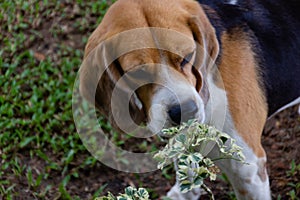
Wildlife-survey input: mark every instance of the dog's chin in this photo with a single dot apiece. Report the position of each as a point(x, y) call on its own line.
point(156, 126)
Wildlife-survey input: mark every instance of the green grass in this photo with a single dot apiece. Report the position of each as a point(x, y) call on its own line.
point(294, 171)
point(36, 94)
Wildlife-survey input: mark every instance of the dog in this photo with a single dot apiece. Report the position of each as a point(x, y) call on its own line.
point(231, 64)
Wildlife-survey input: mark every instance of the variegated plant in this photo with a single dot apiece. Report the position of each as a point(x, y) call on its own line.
point(188, 145)
point(131, 193)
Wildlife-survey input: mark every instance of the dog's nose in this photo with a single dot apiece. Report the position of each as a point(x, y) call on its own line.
point(183, 112)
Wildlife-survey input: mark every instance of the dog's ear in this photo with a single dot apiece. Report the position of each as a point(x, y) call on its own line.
point(99, 76)
point(207, 50)
point(204, 34)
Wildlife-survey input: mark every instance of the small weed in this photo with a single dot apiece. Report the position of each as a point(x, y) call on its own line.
point(294, 169)
point(99, 191)
point(294, 184)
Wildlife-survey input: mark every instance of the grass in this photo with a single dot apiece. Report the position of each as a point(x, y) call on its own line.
point(294, 171)
point(36, 90)
point(41, 49)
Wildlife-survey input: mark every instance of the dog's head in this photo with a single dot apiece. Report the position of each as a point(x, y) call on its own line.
point(147, 62)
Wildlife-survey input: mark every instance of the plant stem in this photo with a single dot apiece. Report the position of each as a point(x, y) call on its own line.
point(208, 191)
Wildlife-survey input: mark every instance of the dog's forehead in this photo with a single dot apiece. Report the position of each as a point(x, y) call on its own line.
point(125, 15)
point(137, 58)
point(159, 46)
point(150, 13)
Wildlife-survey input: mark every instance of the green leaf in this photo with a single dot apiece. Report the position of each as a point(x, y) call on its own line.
point(196, 157)
point(185, 186)
point(26, 141)
point(42, 155)
point(70, 156)
point(142, 193)
point(124, 198)
point(100, 190)
point(198, 182)
point(130, 191)
point(181, 138)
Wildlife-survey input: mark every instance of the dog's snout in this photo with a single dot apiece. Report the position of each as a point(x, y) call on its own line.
point(183, 112)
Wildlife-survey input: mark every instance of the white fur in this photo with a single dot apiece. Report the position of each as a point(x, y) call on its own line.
point(239, 174)
point(233, 2)
point(216, 108)
point(172, 90)
point(295, 102)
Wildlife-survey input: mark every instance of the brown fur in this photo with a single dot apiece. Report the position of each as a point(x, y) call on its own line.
point(247, 103)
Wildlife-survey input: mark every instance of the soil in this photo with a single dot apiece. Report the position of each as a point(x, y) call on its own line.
point(281, 140)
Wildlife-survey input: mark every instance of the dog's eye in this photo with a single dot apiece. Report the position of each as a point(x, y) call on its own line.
point(186, 59)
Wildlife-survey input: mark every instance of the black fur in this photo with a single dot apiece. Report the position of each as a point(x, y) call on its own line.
point(275, 29)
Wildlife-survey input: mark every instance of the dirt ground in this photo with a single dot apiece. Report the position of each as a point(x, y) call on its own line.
point(281, 140)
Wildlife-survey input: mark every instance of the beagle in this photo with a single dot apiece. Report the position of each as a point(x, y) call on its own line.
point(231, 64)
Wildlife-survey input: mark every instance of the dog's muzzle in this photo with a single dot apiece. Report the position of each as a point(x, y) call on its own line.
point(179, 113)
